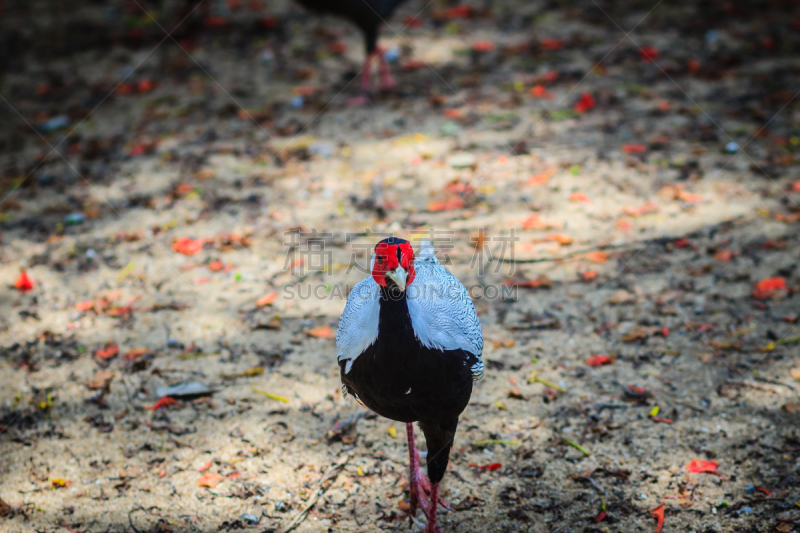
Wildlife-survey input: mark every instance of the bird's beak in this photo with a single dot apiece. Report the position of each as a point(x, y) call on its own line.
point(398, 275)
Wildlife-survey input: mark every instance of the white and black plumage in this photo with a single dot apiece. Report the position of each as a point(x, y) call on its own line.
point(409, 348)
point(368, 15)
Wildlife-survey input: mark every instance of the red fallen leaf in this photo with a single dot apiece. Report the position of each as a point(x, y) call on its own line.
point(119, 311)
point(210, 480)
point(125, 88)
point(164, 402)
point(768, 286)
point(85, 306)
point(267, 299)
point(447, 205)
point(459, 12)
point(216, 266)
point(599, 360)
point(322, 332)
point(658, 514)
point(694, 65)
point(664, 420)
point(188, 246)
point(205, 466)
point(649, 54)
point(762, 489)
point(681, 243)
point(338, 48)
point(138, 150)
point(579, 197)
point(589, 275)
point(796, 186)
point(698, 466)
point(215, 21)
point(585, 103)
point(551, 44)
point(598, 256)
point(145, 86)
point(483, 46)
point(551, 76)
point(23, 282)
point(634, 148)
point(111, 349)
point(412, 22)
point(539, 91)
point(600, 517)
point(453, 113)
point(202, 281)
point(488, 467)
point(234, 475)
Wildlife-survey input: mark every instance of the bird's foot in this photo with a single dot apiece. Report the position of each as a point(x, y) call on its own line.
point(361, 100)
point(387, 83)
point(425, 484)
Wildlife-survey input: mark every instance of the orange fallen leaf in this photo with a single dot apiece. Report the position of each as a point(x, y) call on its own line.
point(542, 177)
point(453, 113)
point(579, 197)
point(539, 91)
point(84, 306)
point(658, 514)
point(644, 209)
point(483, 46)
point(205, 466)
point(111, 349)
point(768, 287)
point(133, 354)
point(561, 238)
point(322, 332)
point(23, 282)
point(538, 281)
point(447, 205)
point(598, 256)
point(796, 186)
point(624, 224)
point(59, 482)
point(267, 299)
point(188, 246)
point(216, 266)
point(589, 275)
point(210, 480)
point(724, 255)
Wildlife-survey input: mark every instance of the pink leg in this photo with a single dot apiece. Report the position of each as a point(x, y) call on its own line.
point(387, 82)
point(362, 99)
point(416, 496)
point(431, 526)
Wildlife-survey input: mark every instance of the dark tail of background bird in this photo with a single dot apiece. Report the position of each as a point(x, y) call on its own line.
point(439, 437)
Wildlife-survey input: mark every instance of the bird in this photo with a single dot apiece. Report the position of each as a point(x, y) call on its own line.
point(409, 346)
point(368, 15)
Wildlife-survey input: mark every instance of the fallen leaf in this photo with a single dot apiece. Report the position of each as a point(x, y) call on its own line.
point(164, 402)
point(579, 197)
point(635, 334)
point(539, 281)
point(59, 482)
point(483, 46)
point(724, 255)
point(585, 103)
point(767, 287)
point(491, 467)
point(23, 282)
point(634, 148)
point(644, 209)
point(216, 266)
point(322, 332)
point(270, 395)
point(111, 349)
point(588, 275)
point(210, 480)
point(795, 373)
point(542, 177)
point(267, 299)
point(658, 514)
point(539, 91)
point(447, 205)
point(561, 238)
point(188, 246)
point(649, 54)
point(100, 380)
point(599, 360)
point(597, 256)
point(206, 466)
point(699, 466)
point(134, 353)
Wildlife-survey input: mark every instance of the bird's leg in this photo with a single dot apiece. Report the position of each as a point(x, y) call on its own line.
point(431, 527)
point(387, 81)
point(416, 496)
point(366, 73)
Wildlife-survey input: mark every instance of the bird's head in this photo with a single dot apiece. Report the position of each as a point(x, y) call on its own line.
point(394, 263)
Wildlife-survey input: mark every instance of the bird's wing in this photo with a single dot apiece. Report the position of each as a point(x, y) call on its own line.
point(358, 325)
point(441, 309)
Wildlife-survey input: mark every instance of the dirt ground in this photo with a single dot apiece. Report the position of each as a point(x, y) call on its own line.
point(162, 195)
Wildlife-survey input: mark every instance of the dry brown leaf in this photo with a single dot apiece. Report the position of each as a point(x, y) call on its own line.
point(100, 380)
point(635, 334)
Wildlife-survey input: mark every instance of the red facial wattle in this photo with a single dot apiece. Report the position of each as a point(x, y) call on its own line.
point(386, 260)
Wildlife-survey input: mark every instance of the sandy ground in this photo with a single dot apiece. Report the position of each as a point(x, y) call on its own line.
point(643, 234)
